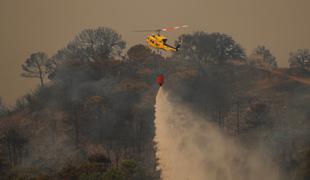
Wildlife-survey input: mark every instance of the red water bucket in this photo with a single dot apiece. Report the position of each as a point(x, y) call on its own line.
point(160, 79)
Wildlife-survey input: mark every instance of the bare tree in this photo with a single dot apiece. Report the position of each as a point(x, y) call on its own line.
point(139, 53)
point(96, 44)
point(91, 48)
point(214, 48)
point(73, 121)
point(36, 66)
point(262, 57)
point(300, 59)
point(15, 143)
point(257, 114)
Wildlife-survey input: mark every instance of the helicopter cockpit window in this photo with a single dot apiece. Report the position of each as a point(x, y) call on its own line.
point(164, 40)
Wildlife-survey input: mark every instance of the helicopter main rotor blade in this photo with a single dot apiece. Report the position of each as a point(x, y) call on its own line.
point(163, 29)
point(173, 28)
point(150, 30)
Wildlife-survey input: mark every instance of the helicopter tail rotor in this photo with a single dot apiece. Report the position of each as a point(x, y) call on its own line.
point(178, 47)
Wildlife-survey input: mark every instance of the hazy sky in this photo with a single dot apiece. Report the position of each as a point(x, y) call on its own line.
point(29, 26)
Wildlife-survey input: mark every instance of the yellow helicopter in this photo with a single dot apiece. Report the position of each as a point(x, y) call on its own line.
point(159, 41)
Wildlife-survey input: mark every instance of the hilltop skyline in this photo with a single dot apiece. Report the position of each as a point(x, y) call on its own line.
point(36, 25)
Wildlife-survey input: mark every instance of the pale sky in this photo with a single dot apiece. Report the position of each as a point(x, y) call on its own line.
point(29, 26)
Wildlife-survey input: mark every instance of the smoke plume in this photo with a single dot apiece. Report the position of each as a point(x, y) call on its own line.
point(191, 148)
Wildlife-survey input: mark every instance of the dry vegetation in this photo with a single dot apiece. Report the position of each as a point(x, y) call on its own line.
point(95, 118)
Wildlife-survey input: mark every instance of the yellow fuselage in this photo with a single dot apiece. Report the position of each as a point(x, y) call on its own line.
point(159, 42)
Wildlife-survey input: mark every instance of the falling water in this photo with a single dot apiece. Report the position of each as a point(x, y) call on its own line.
point(190, 148)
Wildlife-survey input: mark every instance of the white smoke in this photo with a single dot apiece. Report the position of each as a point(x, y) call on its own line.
point(190, 148)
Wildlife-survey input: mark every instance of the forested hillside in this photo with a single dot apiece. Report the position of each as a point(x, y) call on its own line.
point(92, 117)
